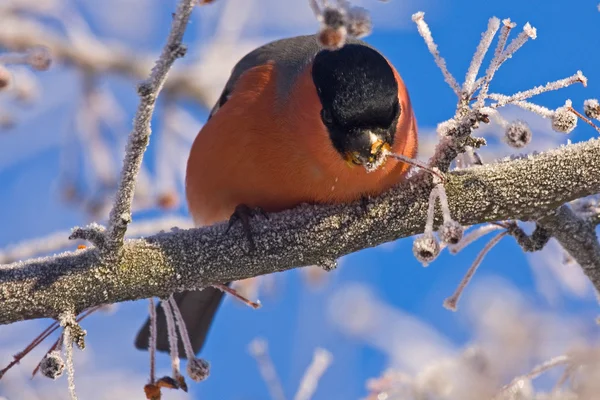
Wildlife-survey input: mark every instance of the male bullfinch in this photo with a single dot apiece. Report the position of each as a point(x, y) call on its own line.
point(295, 124)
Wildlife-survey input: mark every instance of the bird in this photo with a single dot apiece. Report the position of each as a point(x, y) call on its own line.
point(296, 123)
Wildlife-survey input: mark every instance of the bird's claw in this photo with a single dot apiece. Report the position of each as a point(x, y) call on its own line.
point(243, 213)
point(364, 204)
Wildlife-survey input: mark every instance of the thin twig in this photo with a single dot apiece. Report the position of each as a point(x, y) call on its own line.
point(152, 340)
point(234, 293)
point(482, 48)
point(566, 375)
point(484, 81)
point(183, 333)
point(550, 86)
point(60, 338)
point(584, 118)
point(120, 215)
point(425, 32)
point(39, 339)
point(473, 236)
point(259, 350)
point(419, 164)
point(535, 372)
point(321, 360)
point(20, 355)
point(172, 336)
point(66, 321)
point(451, 302)
point(527, 33)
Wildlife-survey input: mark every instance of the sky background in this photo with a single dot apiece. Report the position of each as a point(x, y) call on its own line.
point(380, 308)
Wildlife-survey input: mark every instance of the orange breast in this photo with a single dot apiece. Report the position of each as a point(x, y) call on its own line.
point(260, 151)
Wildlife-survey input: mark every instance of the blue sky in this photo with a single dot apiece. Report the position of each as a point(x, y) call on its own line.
point(298, 318)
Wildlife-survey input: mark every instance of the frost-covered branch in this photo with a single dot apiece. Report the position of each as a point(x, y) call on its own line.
point(60, 240)
point(309, 235)
point(139, 138)
point(578, 237)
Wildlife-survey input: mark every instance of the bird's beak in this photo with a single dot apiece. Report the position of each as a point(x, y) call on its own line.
point(374, 159)
point(378, 148)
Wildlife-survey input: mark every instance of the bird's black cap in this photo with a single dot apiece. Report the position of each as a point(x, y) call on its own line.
point(359, 97)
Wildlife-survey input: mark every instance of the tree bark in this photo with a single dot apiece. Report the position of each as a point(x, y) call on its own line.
point(310, 234)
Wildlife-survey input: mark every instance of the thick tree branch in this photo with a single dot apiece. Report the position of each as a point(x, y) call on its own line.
point(578, 237)
point(183, 259)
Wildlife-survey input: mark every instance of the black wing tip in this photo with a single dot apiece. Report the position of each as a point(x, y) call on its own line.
point(198, 309)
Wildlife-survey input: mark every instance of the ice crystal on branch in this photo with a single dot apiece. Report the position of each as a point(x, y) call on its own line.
point(518, 134)
point(563, 119)
point(476, 104)
point(451, 232)
point(197, 369)
point(52, 365)
point(419, 19)
point(16, 83)
point(474, 94)
point(426, 248)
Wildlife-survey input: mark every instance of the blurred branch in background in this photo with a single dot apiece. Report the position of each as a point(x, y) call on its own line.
point(99, 122)
point(514, 353)
point(110, 241)
point(322, 358)
point(78, 48)
point(17, 84)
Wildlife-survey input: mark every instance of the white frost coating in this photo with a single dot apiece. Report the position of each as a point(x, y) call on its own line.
point(164, 263)
point(120, 215)
point(152, 339)
point(528, 32)
point(451, 303)
point(591, 108)
point(563, 119)
point(66, 321)
point(550, 86)
point(504, 190)
point(473, 236)
point(484, 81)
point(482, 48)
point(425, 32)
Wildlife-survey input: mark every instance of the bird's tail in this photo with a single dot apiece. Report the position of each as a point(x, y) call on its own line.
point(197, 307)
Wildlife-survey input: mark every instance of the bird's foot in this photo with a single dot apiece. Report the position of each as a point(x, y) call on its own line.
point(243, 213)
point(364, 204)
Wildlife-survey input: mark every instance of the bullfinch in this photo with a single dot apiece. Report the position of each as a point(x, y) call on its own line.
point(296, 123)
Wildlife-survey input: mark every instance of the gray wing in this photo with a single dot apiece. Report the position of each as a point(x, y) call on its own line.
point(290, 55)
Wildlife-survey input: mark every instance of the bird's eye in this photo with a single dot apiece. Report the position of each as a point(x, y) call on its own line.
point(326, 117)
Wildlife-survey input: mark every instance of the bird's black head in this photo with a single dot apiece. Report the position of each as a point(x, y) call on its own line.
point(359, 99)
